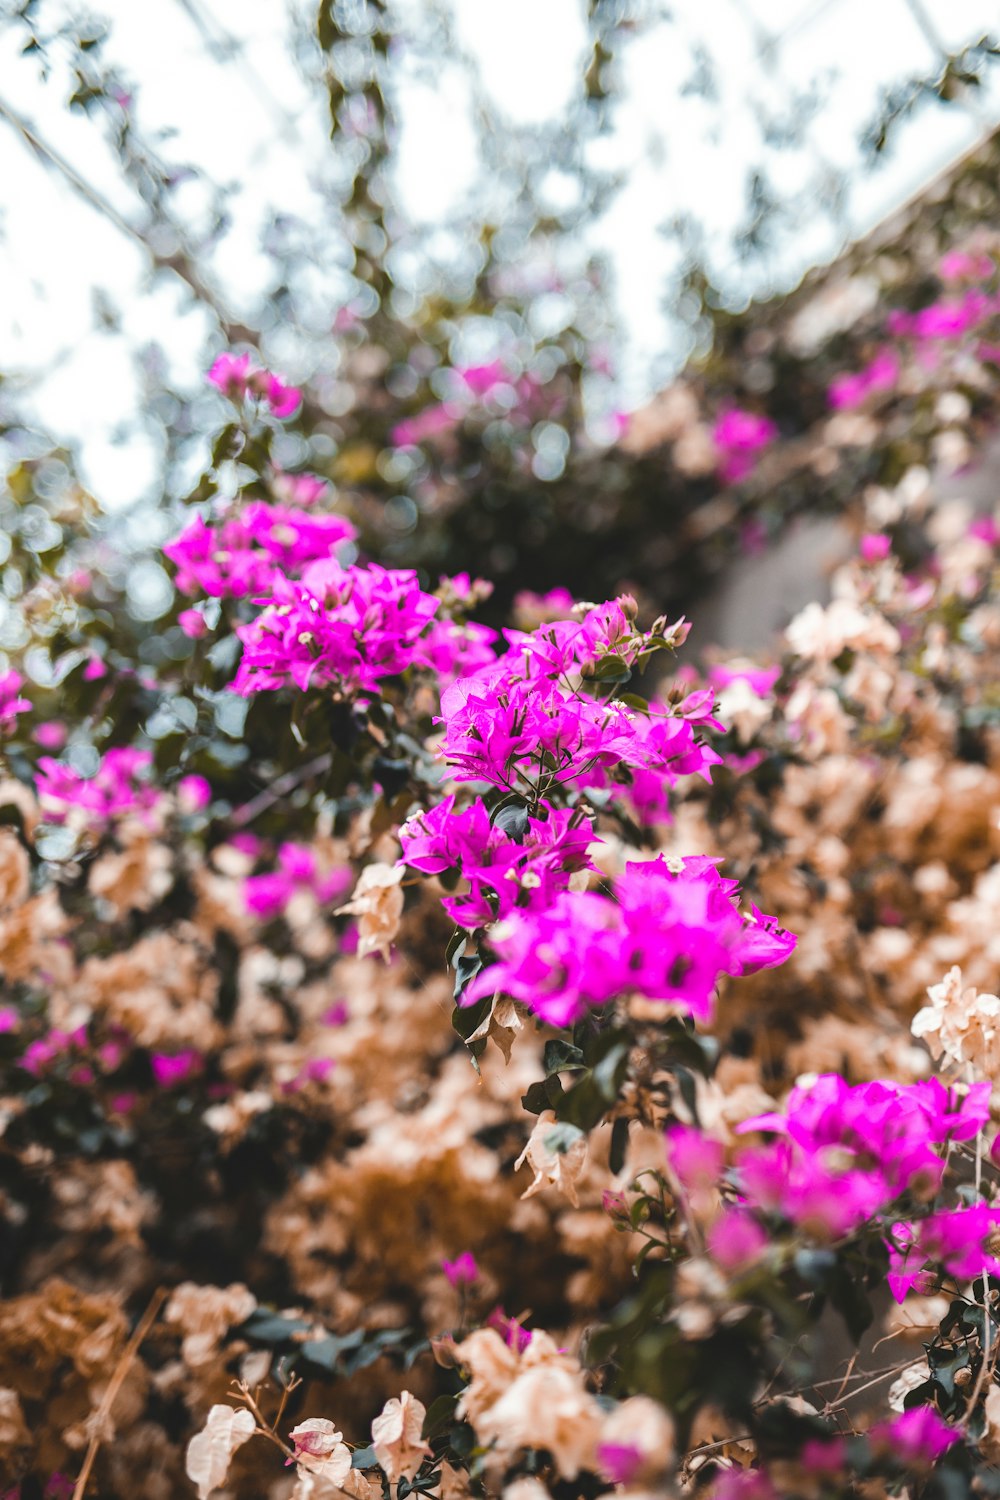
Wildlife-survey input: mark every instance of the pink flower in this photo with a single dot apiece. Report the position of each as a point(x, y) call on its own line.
point(193, 624)
point(504, 870)
point(875, 547)
point(51, 735)
point(349, 627)
point(481, 380)
point(510, 1330)
point(739, 436)
point(283, 399)
point(193, 794)
point(316, 1070)
point(760, 680)
point(917, 1436)
point(119, 787)
point(736, 1240)
point(695, 1158)
point(985, 529)
point(267, 895)
point(620, 1462)
point(170, 1069)
point(462, 1271)
point(95, 669)
point(430, 422)
point(959, 265)
point(9, 1019)
point(668, 934)
point(230, 373)
point(955, 1240)
point(245, 551)
point(880, 374)
point(298, 489)
point(235, 374)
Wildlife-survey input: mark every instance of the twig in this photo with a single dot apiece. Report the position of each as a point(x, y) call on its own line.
point(142, 1328)
point(287, 783)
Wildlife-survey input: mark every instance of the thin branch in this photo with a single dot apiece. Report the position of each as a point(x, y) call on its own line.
point(179, 262)
point(271, 794)
point(103, 1412)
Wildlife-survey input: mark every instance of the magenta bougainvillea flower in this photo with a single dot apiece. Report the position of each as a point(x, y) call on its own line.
point(917, 1436)
point(245, 550)
point(236, 376)
point(740, 436)
point(504, 869)
point(119, 787)
point(667, 933)
point(462, 1271)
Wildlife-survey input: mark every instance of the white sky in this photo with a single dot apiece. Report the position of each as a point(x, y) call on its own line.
point(262, 127)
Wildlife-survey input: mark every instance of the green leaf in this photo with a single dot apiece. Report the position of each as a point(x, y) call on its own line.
point(439, 1415)
point(560, 1054)
point(619, 1145)
point(545, 1094)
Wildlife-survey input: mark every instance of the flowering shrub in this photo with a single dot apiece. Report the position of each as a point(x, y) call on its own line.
point(326, 929)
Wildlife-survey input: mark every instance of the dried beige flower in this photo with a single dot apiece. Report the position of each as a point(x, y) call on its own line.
point(493, 1365)
point(396, 1438)
point(546, 1407)
point(210, 1452)
point(558, 1169)
point(961, 1024)
point(378, 902)
point(205, 1314)
point(15, 870)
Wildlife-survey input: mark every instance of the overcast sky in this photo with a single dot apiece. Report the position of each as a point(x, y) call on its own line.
point(257, 124)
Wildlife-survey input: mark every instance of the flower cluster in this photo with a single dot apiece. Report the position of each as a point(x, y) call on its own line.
point(739, 436)
point(120, 787)
point(342, 627)
point(241, 554)
point(670, 931)
point(268, 894)
point(512, 860)
point(843, 1158)
point(539, 718)
point(947, 323)
point(236, 376)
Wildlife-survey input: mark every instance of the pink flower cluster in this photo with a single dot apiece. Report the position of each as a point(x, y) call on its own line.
point(504, 870)
point(242, 554)
point(740, 436)
point(528, 723)
point(917, 1436)
point(880, 374)
point(956, 1239)
point(235, 375)
point(268, 894)
point(669, 933)
point(348, 628)
point(843, 1157)
point(845, 1154)
point(950, 318)
point(473, 385)
point(118, 788)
